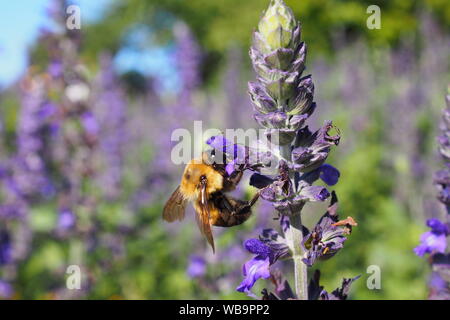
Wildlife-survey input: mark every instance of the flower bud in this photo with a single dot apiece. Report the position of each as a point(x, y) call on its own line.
point(277, 25)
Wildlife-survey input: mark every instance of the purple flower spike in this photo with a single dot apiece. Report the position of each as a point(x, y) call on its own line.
point(434, 240)
point(197, 267)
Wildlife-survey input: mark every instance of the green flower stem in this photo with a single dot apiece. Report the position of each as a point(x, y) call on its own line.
point(294, 236)
point(300, 268)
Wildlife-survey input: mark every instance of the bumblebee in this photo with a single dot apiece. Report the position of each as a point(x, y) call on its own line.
point(205, 183)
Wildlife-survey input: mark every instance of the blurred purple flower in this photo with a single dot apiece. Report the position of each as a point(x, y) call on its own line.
point(110, 110)
point(6, 290)
point(439, 289)
point(90, 123)
point(55, 68)
point(34, 128)
point(188, 57)
point(197, 266)
point(66, 220)
point(434, 240)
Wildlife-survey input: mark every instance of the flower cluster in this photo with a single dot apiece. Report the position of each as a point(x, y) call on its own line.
point(283, 101)
point(435, 242)
point(321, 243)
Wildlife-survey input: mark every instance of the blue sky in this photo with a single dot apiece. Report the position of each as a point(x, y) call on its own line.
point(20, 22)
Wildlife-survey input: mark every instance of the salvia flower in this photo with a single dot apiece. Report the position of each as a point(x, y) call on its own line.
point(434, 240)
point(256, 268)
point(328, 236)
point(267, 253)
point(312, 149)
point(281, 191)
point(269, 248)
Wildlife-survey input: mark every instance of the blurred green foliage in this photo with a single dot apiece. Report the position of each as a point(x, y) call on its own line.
point(221, 23)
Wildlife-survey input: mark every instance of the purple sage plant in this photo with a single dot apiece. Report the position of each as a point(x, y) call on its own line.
point(435, 242)
point(283, 102)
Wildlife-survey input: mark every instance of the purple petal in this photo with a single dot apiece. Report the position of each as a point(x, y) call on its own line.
point(431, 242)
point(329, 174)
point(437, 226)
point(314, 193)
point(257, 247)
point(255, 269)
point(66, 220)
point(260, 181)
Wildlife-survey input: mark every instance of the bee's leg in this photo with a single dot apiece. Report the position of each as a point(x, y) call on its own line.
point(237, 178)
point(254, 199)
point(243, 207)
point(232, 181)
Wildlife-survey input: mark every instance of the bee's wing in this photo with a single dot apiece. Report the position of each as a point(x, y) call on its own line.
point(202, 215)
point(175, 207)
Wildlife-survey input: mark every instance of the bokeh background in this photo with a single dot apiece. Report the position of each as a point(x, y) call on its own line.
point(86, 118)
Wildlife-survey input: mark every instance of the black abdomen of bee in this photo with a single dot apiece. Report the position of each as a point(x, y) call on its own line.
point(232, 212)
